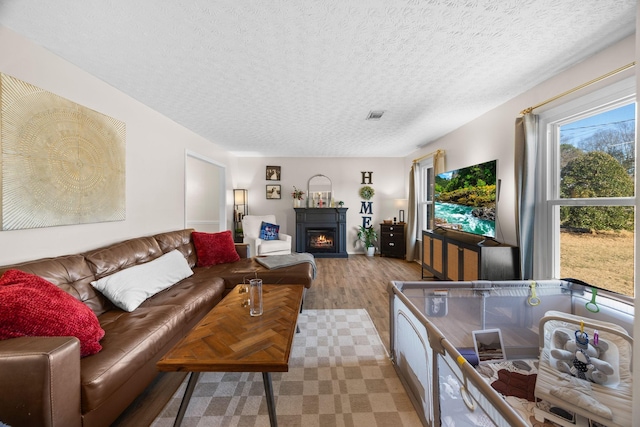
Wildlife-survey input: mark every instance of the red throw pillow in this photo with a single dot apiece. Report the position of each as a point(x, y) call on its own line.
point(32, 306)
point(214, 248)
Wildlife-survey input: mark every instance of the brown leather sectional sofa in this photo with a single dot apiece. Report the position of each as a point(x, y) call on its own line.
point(44, 382)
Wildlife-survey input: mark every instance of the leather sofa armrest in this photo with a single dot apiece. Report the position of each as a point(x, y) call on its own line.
point(242, 249)
point(40, 379)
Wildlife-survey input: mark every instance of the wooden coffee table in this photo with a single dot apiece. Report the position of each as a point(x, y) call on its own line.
point(228, 339)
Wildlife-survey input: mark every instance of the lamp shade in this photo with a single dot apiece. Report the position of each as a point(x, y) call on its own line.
point(240, 197)
point(400, 203)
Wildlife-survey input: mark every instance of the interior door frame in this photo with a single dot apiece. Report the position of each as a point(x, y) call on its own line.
point(222, 175)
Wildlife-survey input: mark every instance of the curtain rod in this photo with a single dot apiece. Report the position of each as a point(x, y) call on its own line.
point(577, 88)
point(433, 153)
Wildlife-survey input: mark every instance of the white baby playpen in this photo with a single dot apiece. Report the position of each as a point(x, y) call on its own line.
point(431, 325)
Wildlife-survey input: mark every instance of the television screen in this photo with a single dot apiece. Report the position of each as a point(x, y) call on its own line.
point(465, 199)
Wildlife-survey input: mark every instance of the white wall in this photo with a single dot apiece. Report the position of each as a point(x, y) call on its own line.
point(491, 136)
point(155, 157)
point(345, 174)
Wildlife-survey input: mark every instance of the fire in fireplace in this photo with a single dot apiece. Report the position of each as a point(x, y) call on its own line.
point(321, 240)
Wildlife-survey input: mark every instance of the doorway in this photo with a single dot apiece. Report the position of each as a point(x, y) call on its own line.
point(205, 194)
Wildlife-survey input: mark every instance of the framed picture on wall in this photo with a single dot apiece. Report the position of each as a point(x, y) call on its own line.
point(273, 173)
point(274, 192)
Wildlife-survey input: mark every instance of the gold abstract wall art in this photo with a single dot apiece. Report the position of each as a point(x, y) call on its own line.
point(62, 163)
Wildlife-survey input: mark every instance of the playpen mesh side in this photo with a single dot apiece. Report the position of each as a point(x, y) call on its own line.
point(437, 379)
point(458, 308)
point(454, 309)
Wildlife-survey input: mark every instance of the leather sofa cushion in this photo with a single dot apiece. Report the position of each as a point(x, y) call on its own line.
point(110, 259)
point(130, 340)
point(72, 274)
point(196, 294)
point(180, 240)
point(133, 339)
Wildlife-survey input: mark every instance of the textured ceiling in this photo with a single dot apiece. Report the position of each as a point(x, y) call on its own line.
point(298, 78)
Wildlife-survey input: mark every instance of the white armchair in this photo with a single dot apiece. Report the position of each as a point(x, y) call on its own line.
point(258, 247)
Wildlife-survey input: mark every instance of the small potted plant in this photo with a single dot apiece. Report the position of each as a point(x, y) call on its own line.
point(368, 236)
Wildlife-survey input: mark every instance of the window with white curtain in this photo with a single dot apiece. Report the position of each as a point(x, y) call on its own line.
point(425, 184)
point(585, 214)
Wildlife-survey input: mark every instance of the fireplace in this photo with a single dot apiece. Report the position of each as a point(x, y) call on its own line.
point(321, 240)
point(322, 231)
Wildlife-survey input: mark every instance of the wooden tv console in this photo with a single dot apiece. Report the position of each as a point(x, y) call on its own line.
point(457, 256)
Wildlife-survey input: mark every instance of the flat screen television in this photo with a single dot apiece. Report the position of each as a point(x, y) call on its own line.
point(465, 199)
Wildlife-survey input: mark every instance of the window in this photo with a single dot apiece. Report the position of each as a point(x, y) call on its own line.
point(425, 183)
point(586, 198)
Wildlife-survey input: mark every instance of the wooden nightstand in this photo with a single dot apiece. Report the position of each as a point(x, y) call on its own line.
point(392, 240)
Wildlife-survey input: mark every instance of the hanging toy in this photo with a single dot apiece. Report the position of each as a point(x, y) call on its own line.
point(582, 361)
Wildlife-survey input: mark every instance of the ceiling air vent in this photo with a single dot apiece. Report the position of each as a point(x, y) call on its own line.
point(375, 115)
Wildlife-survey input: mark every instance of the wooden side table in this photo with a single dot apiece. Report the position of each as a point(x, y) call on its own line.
point(393, 241)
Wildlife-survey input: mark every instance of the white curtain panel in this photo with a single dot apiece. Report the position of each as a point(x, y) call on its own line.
point(526, 148)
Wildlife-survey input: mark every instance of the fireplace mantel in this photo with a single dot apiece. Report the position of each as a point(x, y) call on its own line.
point(314, 218)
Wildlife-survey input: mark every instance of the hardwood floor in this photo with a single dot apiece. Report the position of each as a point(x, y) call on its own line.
point(360, 282)
point(354, 282)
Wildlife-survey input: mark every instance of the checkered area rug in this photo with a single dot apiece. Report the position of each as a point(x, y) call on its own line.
point(339, 375)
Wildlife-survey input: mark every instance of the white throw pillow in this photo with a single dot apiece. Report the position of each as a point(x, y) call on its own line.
point(129, 288)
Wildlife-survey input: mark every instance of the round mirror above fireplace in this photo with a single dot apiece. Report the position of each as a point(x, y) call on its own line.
point(319, 192)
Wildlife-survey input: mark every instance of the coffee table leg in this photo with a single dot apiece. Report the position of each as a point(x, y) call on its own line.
point(191, 385)
point(271, 406)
